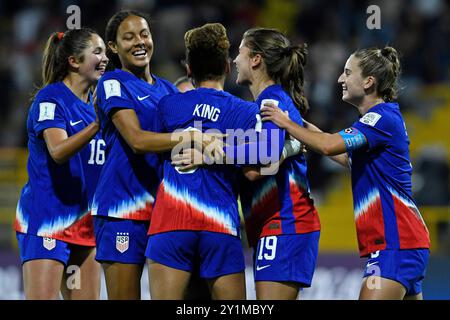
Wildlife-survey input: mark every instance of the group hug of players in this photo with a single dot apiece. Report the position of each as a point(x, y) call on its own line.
point(106, 189)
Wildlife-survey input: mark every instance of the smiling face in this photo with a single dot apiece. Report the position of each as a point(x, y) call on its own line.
point(134, 43)
point(353, 84)
point(93, 63)
point(244, 64)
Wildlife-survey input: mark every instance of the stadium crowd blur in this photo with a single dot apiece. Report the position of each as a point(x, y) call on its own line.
point(419, 29)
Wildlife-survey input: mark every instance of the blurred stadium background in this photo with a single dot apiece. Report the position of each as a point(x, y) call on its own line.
point(419, 29)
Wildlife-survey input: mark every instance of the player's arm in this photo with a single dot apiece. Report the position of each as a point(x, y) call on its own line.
point(322, 142)
point(61, 147)
point(342, 159)
point(142, 141)
point(291, 148)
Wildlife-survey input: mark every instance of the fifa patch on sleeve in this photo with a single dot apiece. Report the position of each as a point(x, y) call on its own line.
point(112, 88)
point(353, 139)
point(370, 118)
point(46, 111)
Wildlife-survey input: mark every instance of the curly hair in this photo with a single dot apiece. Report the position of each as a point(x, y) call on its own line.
point(207, 51)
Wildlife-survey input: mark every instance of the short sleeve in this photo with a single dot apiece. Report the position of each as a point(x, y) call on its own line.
point(48, 113)
point(376, 127)
point(247, 116)
point(111, 94)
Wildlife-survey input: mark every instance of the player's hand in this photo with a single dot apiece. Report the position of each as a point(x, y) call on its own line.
point(211, 144)
point(188, 159)
point(271, 112)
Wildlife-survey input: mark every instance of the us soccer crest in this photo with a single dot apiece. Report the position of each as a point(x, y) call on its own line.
point(122, 241)
point(49, 243)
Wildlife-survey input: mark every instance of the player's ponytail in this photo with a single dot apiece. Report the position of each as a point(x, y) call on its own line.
point(284, 63)
point(59, 47)
point(292, 77)
point(384, 65)
point(52, 69)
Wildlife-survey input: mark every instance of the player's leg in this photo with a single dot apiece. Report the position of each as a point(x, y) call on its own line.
point(394, 275)
point(284, 264)
point(43, 261)
point(121, 251)
point(123, 281)
point(81, 280)
point(414, 297)
point(198, 288)
point(171, 257)
point(42, 279)
point(269, 290)
point(228, 287)
point(378, 288)
point(167, 283)
point(222, 263)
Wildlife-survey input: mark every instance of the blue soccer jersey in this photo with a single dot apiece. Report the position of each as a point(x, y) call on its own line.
point(54, 201)
point(128, 181)
point(205, 199)
point(279, 204)
point(385, 213)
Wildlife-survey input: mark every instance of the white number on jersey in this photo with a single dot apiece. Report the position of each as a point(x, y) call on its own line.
point(97, 152)
point(270, 244)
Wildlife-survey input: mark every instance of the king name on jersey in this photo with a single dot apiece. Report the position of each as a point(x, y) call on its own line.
point(204, 110)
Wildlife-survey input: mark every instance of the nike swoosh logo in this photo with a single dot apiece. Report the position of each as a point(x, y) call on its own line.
point(142, 98)
point(258, 268)
point(75, 123)
point(372, 263)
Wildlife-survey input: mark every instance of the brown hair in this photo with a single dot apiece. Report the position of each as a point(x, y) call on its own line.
point(59, 47)
point(55, 64)
point(384, 65)
point(284, 62)
point(207, 51)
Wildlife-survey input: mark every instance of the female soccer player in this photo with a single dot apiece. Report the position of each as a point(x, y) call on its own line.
point(195, 219)
point(282, 223)
point(390, 229)
point(127, 99)
point(54, 228)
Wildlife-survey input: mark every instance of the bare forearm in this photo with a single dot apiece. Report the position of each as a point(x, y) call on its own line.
point(65, 149)
point(342, 159)
point(147, 141)
point(320, 142)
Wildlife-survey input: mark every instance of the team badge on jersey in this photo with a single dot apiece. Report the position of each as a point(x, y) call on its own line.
point(370, 118)
point(122, 241)
point(49, 243)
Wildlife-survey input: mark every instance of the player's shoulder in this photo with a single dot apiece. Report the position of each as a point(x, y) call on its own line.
point(116, 74)
point(51, 91)
point(242, 104)
point(274, 92)
point(166, 83)
point(383, 114)
point(48, 97)
point(172, 97)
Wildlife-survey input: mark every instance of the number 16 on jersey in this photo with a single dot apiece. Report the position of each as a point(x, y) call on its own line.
point(97, 152)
